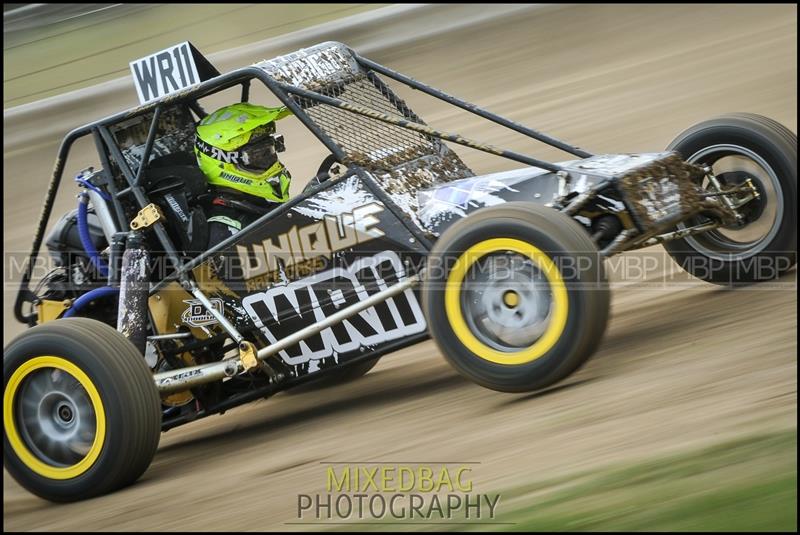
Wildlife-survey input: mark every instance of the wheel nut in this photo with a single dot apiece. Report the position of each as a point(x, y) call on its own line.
point(511, 298)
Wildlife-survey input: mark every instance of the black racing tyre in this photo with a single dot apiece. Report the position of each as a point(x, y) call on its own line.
point(740, 147)
point(516, 296)
point(81, 414)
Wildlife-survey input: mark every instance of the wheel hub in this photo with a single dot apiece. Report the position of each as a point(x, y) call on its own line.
point(56, 417)
point(511, 299)
point(507, 300)
point(732, 165)
point(65, 412)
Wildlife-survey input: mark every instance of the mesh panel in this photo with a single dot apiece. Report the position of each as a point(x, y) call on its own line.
point(402, 159)
point(366, 141)
point(175, 134)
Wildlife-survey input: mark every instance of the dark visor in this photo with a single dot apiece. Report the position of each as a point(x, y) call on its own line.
point(258, 155)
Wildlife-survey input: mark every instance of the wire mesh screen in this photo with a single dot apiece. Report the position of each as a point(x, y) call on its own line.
point(366, 141)
point(402, 159)
point(175, 134)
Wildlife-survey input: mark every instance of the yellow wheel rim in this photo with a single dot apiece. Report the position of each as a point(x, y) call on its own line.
point(455, 316)
point(15, 438)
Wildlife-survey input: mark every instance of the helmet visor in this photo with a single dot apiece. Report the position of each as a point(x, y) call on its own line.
point(258, 155)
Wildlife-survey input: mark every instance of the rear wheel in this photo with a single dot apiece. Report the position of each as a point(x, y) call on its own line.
point(738, 148)
point(516, 296)
point(81, 414)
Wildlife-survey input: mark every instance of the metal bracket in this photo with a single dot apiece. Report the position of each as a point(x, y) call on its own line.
point(337, 170)
point(751, 186)
point(563, 183)
point(718, 187)
point(50, 309)
point(147, 216)
point(247, 355)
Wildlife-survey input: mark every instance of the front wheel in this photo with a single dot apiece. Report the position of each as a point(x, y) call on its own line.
point(516, 296)
point(738, 148)
point(81, 414)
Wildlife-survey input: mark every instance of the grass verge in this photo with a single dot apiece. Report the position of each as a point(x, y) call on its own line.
point(745, 485)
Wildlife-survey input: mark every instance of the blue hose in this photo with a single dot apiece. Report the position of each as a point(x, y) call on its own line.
point(85, 299)
point(86, 239)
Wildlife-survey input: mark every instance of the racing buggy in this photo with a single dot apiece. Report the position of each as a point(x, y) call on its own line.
point(135, 331)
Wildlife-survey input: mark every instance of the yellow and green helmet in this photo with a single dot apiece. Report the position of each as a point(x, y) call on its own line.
point(236, 147)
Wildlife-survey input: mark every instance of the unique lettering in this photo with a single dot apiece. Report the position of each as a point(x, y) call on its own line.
point(302, 244)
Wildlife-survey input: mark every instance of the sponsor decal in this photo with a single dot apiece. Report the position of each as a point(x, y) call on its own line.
point(288, 308)
point(196, 314)
point(234, 157)
point(234, 178)
point(320, 65)
point(304, 249)
point(176, 207)
point(179, 377)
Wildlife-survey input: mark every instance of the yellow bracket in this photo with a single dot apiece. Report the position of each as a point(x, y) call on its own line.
point(247, 355)
point(147, 216)
point(50, 310)
point(753, 189)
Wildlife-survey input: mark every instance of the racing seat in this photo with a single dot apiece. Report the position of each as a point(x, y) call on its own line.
point(172, 179)
point(178, 187)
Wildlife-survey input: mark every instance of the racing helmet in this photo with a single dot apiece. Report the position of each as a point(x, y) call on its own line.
point(236, 147)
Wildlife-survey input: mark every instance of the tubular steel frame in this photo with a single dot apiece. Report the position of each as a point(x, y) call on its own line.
point(107, 146)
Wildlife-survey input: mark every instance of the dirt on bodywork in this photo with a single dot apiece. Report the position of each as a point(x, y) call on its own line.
point(683, 365)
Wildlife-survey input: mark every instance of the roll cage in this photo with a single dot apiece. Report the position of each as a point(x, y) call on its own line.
point(338, 95)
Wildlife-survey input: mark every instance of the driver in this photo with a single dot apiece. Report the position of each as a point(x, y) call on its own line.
point(237, 150)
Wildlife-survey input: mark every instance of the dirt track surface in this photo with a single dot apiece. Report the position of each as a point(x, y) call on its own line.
point(682, 365)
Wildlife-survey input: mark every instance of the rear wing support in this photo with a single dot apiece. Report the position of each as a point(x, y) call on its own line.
point(472, 108)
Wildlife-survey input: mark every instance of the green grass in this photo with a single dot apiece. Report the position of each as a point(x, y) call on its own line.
point(87, 50)
point(746, 485)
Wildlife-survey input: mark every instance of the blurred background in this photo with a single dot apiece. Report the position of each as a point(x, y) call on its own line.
point(685, 418)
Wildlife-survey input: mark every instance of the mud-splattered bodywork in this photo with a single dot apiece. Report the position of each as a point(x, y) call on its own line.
point(338, 246)
point(343, 240)
point(342, 244)
point(613, 180)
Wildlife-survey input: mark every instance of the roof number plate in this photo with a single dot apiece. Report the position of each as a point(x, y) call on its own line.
point(170, 70)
